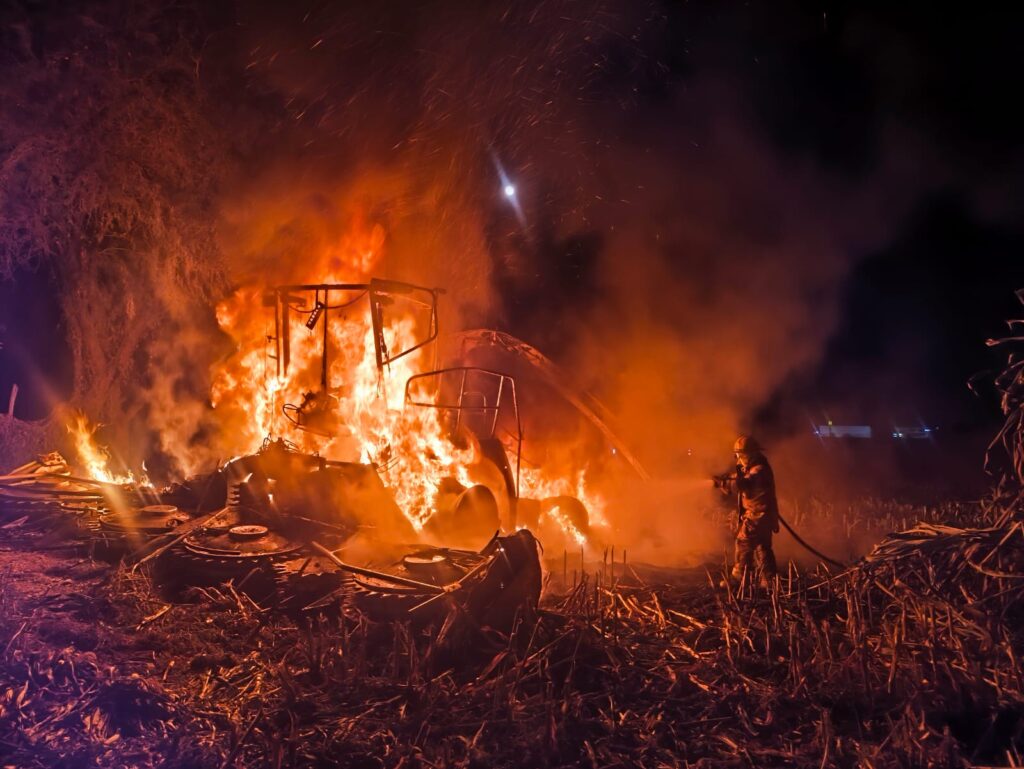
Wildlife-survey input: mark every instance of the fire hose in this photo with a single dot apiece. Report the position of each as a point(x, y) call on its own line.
point(808, 547)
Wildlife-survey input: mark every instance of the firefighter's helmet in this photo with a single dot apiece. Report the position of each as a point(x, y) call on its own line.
point(747, 444)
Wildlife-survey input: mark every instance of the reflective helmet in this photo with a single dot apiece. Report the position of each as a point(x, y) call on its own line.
point(747, 444)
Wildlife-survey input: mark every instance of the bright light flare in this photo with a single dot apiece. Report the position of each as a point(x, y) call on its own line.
point(508, 189)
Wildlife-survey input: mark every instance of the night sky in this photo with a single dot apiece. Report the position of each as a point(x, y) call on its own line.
point(852, 90)
point(832, 82)
point(919, 308)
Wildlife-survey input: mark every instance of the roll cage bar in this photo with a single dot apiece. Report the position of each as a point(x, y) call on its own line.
point(503, 401)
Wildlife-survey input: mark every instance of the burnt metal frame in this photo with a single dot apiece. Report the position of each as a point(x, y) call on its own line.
point(379, 291)
point(382, 289)
point(505, 384)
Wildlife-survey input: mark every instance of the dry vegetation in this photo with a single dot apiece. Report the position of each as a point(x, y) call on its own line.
point(909, 659)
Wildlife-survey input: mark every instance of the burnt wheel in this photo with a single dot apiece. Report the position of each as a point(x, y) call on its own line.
point(470, 522)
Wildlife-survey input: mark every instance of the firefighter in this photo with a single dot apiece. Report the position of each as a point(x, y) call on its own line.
point(757, 510)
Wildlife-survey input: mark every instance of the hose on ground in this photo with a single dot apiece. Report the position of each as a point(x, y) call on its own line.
point(807, 547)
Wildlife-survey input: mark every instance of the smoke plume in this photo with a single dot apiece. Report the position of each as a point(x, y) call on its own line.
point(672, 259)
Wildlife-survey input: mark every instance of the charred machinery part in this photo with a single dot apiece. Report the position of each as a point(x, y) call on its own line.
point(238, 548)
point(201, 493)
point(315, 300)
point(277, 468)
point(125, 529)
point(157, 547)
point(434, 566)
point(302, 497)
point(86, 516)
point(592, 409)
point(15, 504)
point(42, 493)
point(499, 583)
point(249, 531)
point(308, 496)
point(511, 584)
point(471, 519)
point(390, 579)
point(245, 554)
point(316, 414)
point(386, 602)
point(481, 401)
point(382, 596)
point(441, 565)
point(309, 584)
point(142, 523)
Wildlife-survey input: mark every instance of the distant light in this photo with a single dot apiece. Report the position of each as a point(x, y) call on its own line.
point(510, 190)
point(614, 451)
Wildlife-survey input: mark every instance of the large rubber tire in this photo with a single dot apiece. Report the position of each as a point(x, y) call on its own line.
point(393, 605)
point(470, 522)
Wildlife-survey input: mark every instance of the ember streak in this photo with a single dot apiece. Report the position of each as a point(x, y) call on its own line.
point(364, 367)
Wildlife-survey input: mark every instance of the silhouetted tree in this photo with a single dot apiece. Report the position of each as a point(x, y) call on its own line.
point(111, 154)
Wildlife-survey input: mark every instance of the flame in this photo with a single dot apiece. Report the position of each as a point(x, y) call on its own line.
point(370, 422)
point(556, 515)
point(94, 457)
point(540, 483)
point(368, 419)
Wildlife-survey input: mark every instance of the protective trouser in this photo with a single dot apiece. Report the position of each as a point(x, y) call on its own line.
point(754, 551)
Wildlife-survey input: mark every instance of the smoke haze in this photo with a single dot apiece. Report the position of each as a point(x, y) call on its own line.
point(666, 250)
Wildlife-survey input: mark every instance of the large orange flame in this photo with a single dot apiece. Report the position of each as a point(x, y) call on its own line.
point(369, 422)
point(409, 446)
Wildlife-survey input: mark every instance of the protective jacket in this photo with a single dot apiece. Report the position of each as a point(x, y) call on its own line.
point(758, 506)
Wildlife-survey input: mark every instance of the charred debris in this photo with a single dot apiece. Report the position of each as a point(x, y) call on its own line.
point(276, 524)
